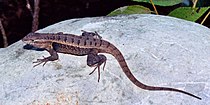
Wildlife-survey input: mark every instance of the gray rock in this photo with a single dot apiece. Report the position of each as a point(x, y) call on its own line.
point(160, 51)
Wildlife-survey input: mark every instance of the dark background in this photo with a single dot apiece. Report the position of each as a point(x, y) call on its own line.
point(17, 19)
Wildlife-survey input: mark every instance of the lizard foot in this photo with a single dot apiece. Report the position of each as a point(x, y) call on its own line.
point(53, 56)
point(96, 61)
point(98, 66)
point(40, 61)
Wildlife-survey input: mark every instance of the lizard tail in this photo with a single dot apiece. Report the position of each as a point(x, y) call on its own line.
point(118, 55)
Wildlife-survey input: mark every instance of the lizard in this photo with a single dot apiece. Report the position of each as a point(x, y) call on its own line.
point(90, 44)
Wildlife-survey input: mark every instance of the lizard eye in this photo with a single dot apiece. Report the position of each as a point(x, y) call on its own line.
point(33, 40)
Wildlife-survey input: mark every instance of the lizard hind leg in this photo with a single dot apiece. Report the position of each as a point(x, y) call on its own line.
point(91, 34)
point(94, 60)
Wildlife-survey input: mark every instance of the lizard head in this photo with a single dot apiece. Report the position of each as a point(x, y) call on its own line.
point(34, 39)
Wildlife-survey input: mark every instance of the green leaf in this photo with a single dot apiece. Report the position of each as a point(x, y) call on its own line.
point(188, 13)
point(134, 9)
point(162, 2)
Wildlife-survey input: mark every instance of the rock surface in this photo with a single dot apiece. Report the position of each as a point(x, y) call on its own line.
point(160, 51)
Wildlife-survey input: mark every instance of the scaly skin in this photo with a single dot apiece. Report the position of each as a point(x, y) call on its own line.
point(88, 44)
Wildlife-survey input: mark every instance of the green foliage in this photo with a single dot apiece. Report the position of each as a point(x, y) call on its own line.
point(161, 2)
point(134, 9)
point(188, 13)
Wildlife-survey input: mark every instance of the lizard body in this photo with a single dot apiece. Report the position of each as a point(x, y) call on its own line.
point(89, 44)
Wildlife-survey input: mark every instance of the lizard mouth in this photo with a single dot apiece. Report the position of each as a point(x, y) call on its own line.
point(28, 42)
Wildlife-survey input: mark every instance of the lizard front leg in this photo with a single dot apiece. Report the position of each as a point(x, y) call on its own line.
point(53, 56)
point(94, 60)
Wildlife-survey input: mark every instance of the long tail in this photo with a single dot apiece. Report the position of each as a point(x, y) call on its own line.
point(118, 55)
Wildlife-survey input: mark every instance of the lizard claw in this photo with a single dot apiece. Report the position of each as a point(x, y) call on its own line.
point(104, 65)
point(40, 61)
point(98, 71)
